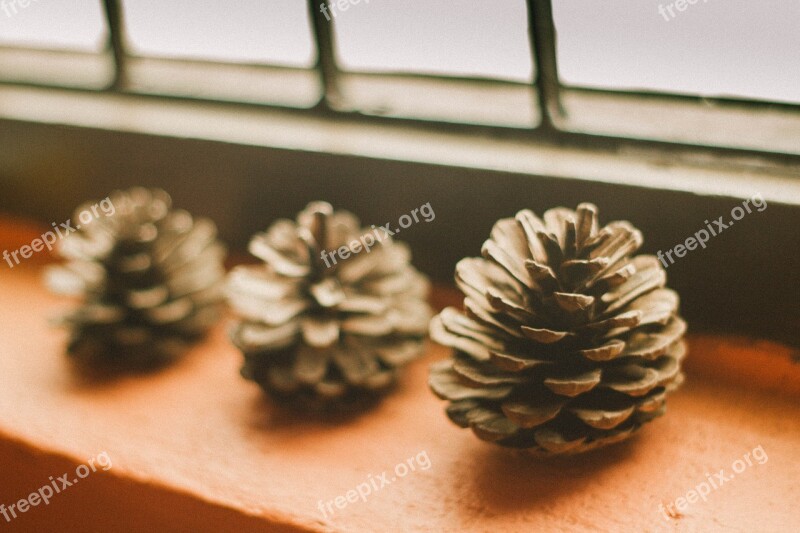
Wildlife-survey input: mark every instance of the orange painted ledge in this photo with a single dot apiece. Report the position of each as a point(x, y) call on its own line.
point(196, 448)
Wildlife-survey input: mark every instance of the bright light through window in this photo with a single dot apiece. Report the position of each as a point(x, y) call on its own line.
point(243, 31)
point(452, 37)
point(736, 48)
point(57, 24)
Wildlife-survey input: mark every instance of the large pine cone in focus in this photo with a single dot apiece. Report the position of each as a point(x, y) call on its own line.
point(327, 335)
point(567, 341)
point(150, 279)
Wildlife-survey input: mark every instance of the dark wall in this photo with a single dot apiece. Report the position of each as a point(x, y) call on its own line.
point(746, 279)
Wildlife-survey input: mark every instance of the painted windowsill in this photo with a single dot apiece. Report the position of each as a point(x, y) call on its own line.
point(195, 447)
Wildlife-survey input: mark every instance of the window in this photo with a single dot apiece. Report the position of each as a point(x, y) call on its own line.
point(702, 74)
point(245, 51)
point(713, 73)
point(423, 46)
point(54, 43)
point(730, 49)
point(244, 31)
point(484, 107)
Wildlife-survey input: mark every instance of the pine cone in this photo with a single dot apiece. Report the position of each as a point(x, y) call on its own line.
point(568, 342)
point(327, 335)
point(150, 280)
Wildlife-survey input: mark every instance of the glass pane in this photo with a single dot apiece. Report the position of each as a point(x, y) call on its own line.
point(460, 38)
point(74, 25)
point(735, 48)
point(243, 31)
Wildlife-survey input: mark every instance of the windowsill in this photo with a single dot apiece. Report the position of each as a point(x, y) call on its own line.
point(259, 84)
point(287, 130)
point(197, 447)
point(668, 118)
point(67, 68)
point(245, 165)
point(490, 103)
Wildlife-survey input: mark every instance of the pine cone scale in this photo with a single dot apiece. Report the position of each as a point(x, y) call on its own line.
point(320, 332)
point(567, 341)
point(149, 278)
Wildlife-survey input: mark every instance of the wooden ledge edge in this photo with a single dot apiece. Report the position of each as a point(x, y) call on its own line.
point(114, 500)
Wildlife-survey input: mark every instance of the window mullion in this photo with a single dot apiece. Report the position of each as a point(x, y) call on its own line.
point(113, 12)
point(543, 44)
point(326, 60)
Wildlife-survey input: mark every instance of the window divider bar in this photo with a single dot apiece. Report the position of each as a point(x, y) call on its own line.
point(113, 12)
point(542, 32)
point(322, 25)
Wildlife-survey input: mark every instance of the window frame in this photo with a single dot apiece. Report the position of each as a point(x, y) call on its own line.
point(550, 120)
point(268, 160)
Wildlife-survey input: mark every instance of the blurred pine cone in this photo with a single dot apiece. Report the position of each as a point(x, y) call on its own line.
point(327, 335)
point(150, 280)
point(568, 342)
